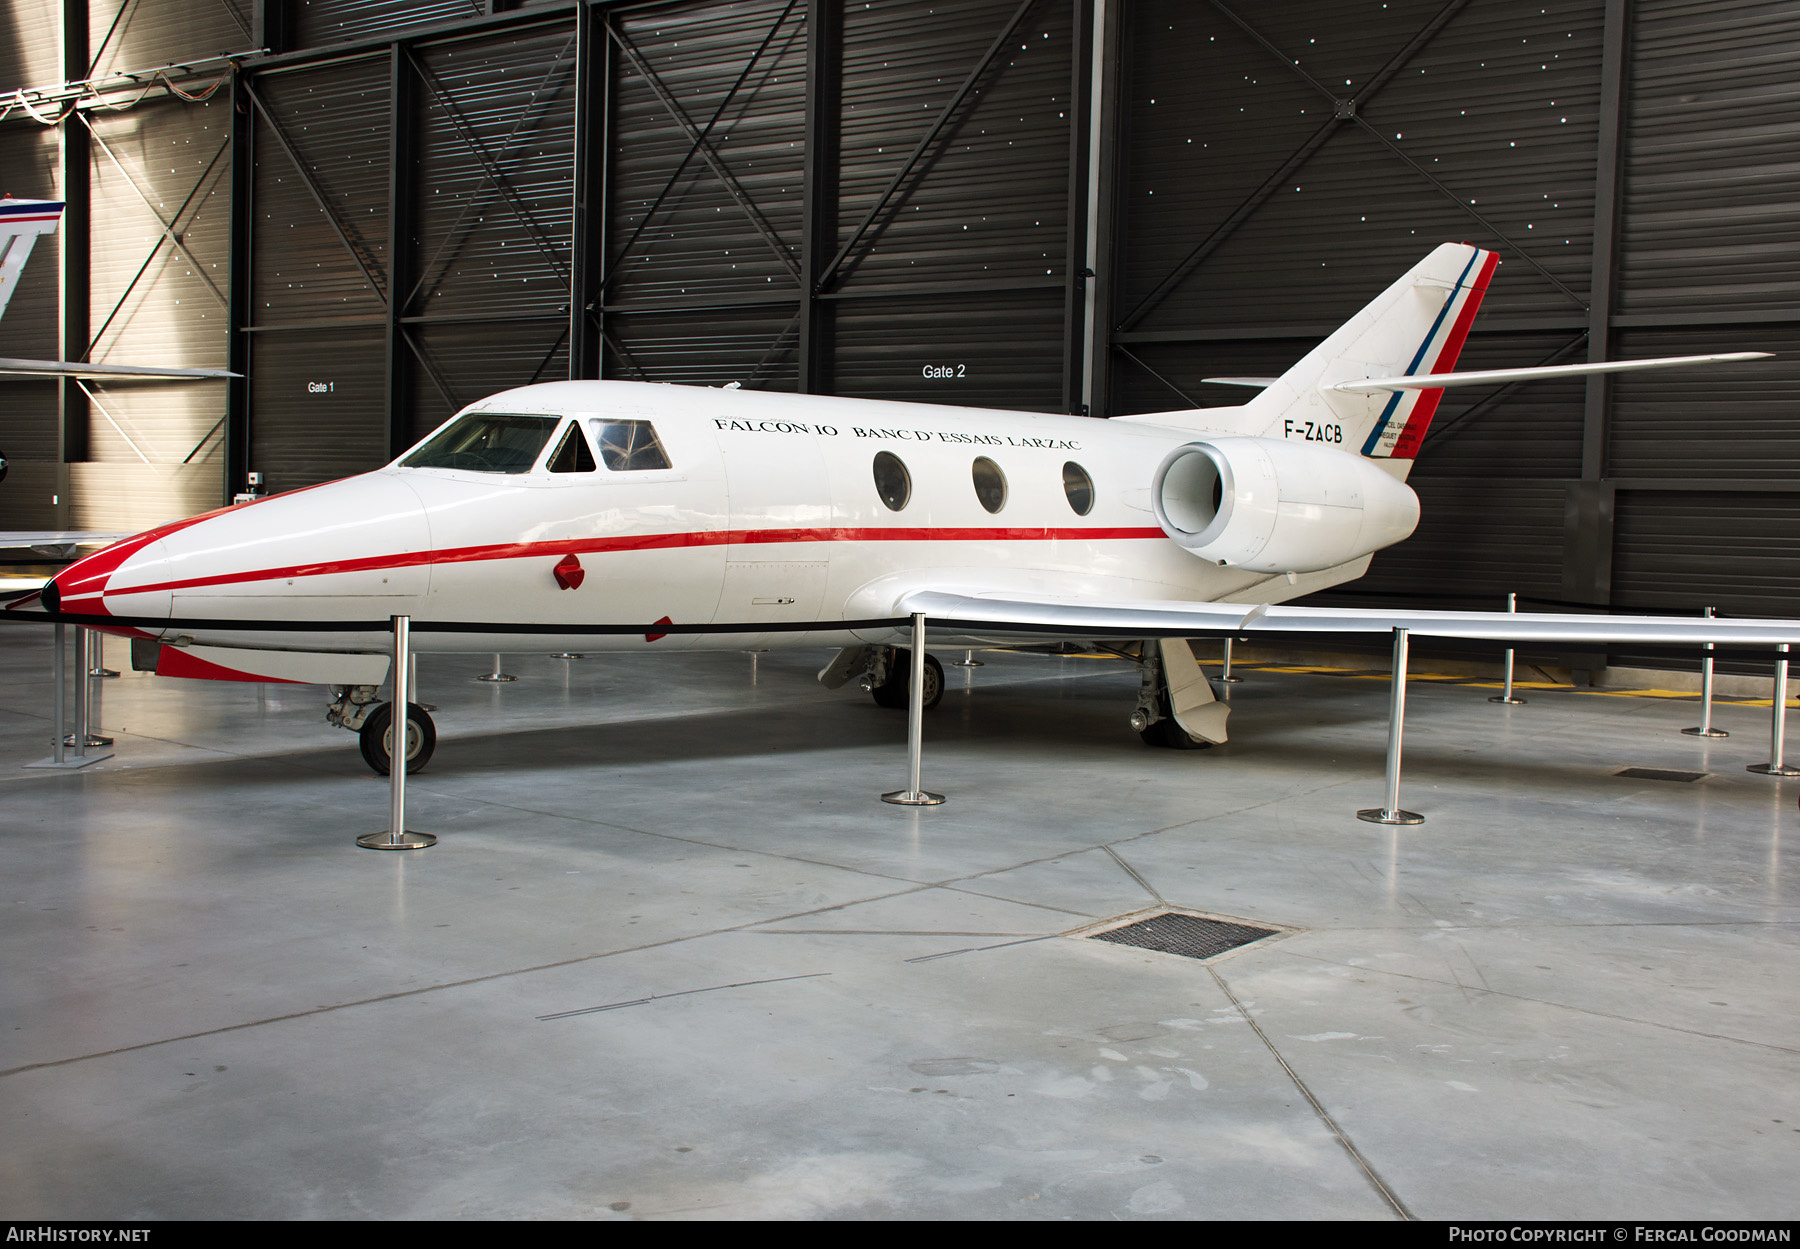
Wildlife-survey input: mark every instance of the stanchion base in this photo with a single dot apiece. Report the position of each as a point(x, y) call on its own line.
point(102, 672)
point(1769, 769)
point(93, 739)
point(1380, 815)
point(497, 676)
point(966, 663)
point(1700, 732)
point(1511, 702)
point(409, 840)
point(568, 655)
point(70, 762)
point(913, 798)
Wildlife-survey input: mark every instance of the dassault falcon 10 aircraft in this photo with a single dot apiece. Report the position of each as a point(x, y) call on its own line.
point(633, 516)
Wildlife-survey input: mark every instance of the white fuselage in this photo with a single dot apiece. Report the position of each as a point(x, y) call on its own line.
point(767, 528)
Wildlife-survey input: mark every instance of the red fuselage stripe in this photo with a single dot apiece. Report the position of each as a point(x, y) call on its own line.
point(641, 542)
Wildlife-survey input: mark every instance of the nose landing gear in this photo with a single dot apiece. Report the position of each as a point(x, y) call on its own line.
point(890, 690)
point(376, 737)
point(354, 707)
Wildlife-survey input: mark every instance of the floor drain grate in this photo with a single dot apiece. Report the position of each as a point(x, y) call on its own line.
point(1191, 936)
point(1659, 774)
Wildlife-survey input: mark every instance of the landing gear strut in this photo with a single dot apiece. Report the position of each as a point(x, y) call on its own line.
point(376, 737)
point(1154, 718)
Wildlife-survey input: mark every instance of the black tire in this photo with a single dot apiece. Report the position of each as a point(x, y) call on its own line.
point(1166, 734)
point(893, 692)
point(376, 739)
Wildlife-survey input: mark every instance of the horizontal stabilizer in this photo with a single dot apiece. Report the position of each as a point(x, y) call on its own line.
point(1490, 377)
point(1260, 382)
point(103, 372)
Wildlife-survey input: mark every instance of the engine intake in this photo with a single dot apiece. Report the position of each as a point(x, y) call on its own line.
point(1273, 506)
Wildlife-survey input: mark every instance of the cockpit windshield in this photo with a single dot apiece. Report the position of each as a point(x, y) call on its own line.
point(487, 442)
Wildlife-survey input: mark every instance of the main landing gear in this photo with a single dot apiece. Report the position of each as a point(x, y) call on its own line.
point(354, 707)
point(889, 684)
point(1154, 717)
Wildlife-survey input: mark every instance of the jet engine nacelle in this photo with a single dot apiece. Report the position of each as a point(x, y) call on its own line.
point(1274, 506)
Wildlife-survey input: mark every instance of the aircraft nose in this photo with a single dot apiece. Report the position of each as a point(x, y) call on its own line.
point(87, 588)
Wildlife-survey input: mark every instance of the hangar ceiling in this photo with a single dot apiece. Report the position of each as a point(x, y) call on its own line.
point(382, 210)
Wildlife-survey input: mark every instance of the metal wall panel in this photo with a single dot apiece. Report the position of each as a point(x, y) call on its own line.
point(1747, 563)
point(676, 232)
point(30, 44)
point(335, 121)
point(1001, 350)
point(1712, 186)
point(1478, 538)
point(323, 22)
point(958, 218)
point(1486, 132)
point(494, 148)
point(1738, 420)
point(126, 36)
point(754, 347)
point(319, 405)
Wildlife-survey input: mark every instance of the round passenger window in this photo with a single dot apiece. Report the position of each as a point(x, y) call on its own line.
point(1079, 487)
point(990, 484)
point(891, 480)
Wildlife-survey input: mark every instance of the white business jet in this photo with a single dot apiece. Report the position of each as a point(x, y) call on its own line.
point(610, 515)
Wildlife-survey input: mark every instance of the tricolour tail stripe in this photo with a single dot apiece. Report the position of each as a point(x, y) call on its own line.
point(1401, 427)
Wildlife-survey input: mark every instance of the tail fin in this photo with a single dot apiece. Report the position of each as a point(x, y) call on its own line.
point(1416, 326)
point(21, 221)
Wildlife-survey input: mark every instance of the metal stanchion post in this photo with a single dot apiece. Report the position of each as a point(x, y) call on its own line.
point(97, 648)
point(59, 739)
point(56, 752)
point(78, 738)
point(1705, 728)
point(914, 795)
point(1226, 677)
point(397, 836)
point(1506, 693)
point(86, 648)
point(496, 674)
point(1777, 724)
point(1391, 813)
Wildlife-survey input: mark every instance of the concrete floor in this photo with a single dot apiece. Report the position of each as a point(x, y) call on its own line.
point(672, 958)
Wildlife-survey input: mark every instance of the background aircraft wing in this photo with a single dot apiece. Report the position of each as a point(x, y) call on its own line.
point(1073, 619)
point(124, 372)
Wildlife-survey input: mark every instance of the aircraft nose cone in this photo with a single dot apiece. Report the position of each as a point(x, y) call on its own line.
point(87, 587)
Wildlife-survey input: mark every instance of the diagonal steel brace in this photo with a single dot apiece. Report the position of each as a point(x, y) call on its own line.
point(707, 152)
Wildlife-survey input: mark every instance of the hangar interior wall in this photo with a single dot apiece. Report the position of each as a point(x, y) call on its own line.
point(381, 210)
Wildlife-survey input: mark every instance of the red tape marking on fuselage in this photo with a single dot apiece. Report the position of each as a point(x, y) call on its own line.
point(638, 542)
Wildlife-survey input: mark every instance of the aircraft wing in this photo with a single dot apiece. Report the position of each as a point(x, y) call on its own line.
point(1086, 619)
point(103, 372)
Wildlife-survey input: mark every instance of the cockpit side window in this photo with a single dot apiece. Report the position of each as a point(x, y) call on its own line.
point(572, 454)
point(629, 446)
point(487, 442)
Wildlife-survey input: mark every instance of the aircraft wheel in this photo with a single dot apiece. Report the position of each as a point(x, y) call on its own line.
point(377, 738)
point(1168, 735)
point(894, 691)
